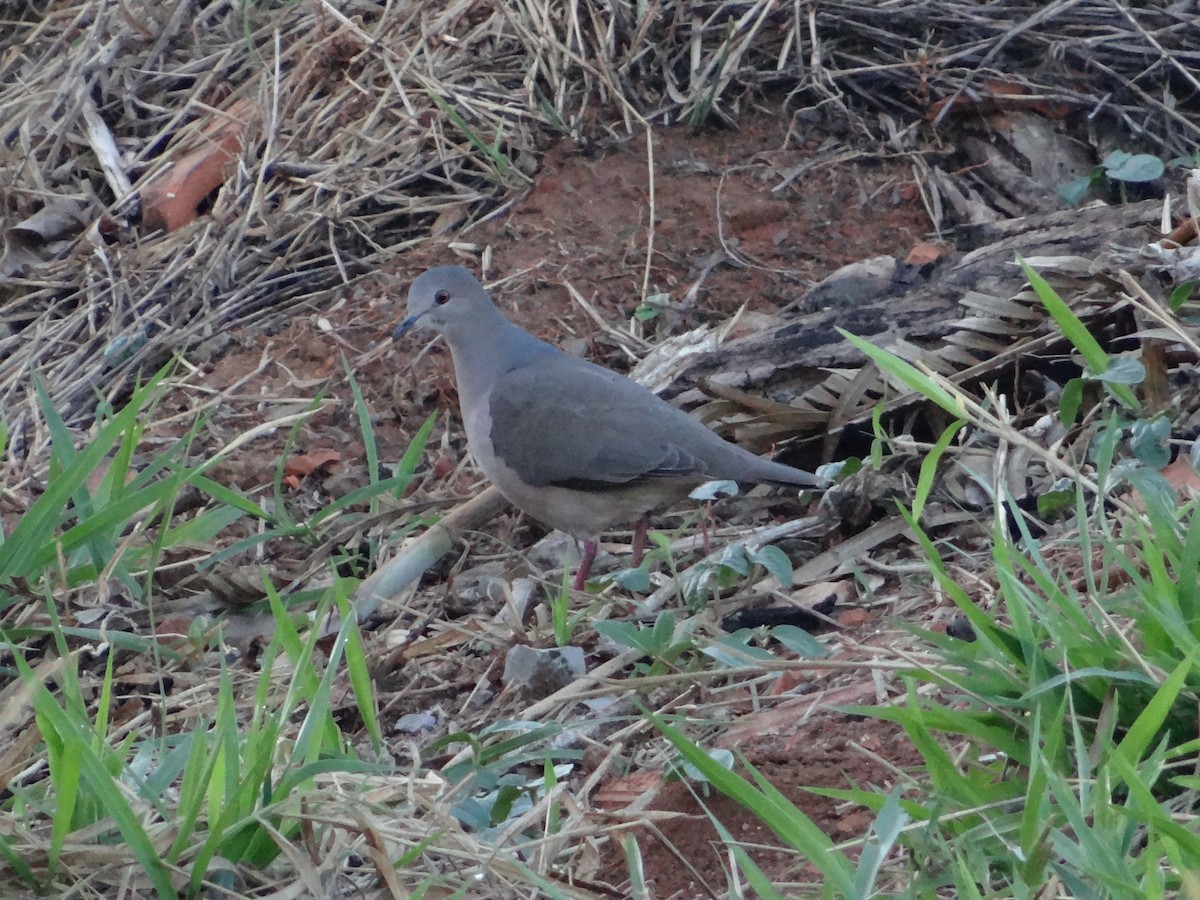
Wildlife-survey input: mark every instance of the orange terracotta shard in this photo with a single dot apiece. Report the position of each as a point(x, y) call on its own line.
point(172, 200)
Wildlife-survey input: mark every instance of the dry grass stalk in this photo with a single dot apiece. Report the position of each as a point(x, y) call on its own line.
point(378, 118)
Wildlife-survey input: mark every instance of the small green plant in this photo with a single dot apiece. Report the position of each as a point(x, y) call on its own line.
point(637, 578)
point(1119, 167)
point(652, 307)
point(679, 769)
point(493, 784)
point(665, 642)
point(729, 566)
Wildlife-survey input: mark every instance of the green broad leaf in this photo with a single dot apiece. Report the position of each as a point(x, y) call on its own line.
point(1114, 159)
point(502, 807)
point(722, 757)
point(634, 580)
point(1156, 493)
point(734, 651)
point(1148, 440)
point(1053, 503)
point(798, 641)
point(842, 469)
point(472, 814)
point(1184, 162)
point(715, 490)
point(652, 307)
point(1073, 191)
point(663, 630)
point(627, 634)
point(732, 557)
point(776, 562)
point(1180, 295)
point(1071, 401)
point(1123, 370)
point(1135, 168)
point(695, 583)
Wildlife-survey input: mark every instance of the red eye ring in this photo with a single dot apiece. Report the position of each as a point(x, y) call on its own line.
point(441, 298)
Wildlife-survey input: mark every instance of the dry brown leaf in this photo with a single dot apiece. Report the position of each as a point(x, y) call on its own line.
point(299, 467)
point(787, 716)
point(923, 253)
point(997, 96)
point(628, 789)
point(1182, 476)
point(852, 617)
point(43, 236)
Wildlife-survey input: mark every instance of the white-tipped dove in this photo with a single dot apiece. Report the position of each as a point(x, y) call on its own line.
point(576, 446)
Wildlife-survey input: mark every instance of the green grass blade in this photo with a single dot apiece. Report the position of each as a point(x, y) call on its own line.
point(908, 375)
point(83, 763)
point(364, 428)
point(929, 467)
point(35, 529)
point(358, 670)
point(1076, 332)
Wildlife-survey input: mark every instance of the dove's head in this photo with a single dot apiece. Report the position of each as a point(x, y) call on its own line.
point(446, 299)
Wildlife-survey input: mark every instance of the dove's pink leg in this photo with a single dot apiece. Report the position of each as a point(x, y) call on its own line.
point(639, 542)
point(585, 565)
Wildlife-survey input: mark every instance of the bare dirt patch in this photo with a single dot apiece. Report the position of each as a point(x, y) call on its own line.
point(684, 855)
point(761, 202)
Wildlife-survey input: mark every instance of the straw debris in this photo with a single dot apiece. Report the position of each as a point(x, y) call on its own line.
point(361, 124)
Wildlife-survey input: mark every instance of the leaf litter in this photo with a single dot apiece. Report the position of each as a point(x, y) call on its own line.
point(373, 141)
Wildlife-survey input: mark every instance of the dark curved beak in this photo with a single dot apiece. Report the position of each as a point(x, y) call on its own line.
point(404, 327)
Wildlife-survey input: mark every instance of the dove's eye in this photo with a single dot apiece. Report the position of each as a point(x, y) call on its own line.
point(441, 298)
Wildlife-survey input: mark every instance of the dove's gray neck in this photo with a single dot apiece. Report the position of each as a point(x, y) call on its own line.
point(488, 346)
